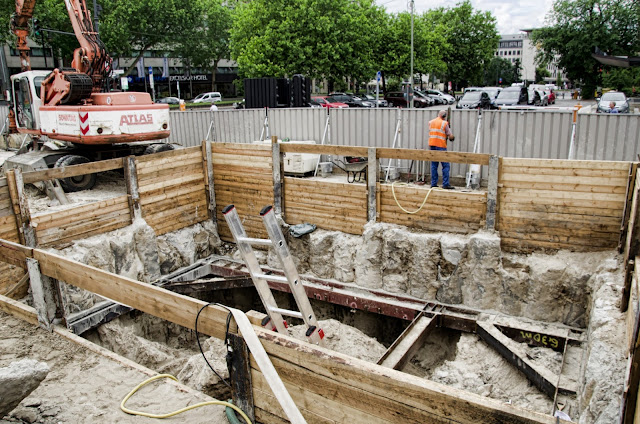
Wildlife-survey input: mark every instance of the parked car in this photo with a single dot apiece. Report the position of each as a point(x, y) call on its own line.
point(435, 99)
point(210, 97)
point(622, 104)
point(552, 97)
point(352, 101)
point(370, 98)
point(475, 100)
point(169, 100)
point(399, 99)
point(423, 99)
point(448, 99)
point(536, 97)
point(328, 102)
point(512, 96)
point(313, 103)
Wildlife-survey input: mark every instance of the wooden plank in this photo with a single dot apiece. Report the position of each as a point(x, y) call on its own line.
point(21, 208)
point(278, 174)
point(315, 408)
point(84, 212)
point(568, 172)
point(409, 394)
point(241, 162)
point(542, 185)
point(15, 253)
point(433, 155)
point(166, 157)
point(576, 228)
point(153, 300)
point(567, 164)
point(8, 228)
point(222, 146)
point(187, 190)
point(81, 227)
point(176, 182)
point(14, 281)
point(551, 241)
point(552, 216)
point(563, 179)
point(568, 195)
point(168, 174)
point(73, 170)
point(18, 310)
point(242, 168)
point(177, 201)
point(324, 149)
point(87, 230)
point(211, 199)
point(541, 208)
point(632, 181)
point(240, 370)
point(372, 185)
point(514, 244)
point(409, 342)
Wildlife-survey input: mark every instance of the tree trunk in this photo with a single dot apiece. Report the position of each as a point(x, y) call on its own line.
point(135, 62)
point(213, 74)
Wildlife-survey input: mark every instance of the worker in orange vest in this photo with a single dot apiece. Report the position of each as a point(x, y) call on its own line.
point(439, 132)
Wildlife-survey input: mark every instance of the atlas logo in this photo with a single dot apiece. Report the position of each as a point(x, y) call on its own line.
point(142, 119)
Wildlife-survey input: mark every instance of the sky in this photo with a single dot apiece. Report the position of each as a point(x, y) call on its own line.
point(511, 15)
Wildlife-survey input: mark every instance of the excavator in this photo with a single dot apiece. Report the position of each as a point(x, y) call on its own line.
point(75, 105)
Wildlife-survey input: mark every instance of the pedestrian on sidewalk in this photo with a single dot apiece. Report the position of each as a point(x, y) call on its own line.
point(439, 133)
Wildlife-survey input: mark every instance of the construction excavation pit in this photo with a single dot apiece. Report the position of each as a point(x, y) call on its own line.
point(316, 299)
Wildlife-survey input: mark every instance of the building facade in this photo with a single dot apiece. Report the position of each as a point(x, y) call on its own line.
point(514, 47)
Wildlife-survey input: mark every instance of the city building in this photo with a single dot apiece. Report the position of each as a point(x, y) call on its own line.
point(514, 47)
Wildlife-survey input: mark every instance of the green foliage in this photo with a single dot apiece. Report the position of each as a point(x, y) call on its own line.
point(498, 68)
point(541, 74)
point(331, 38)
point(129, 27)
point(52, 14)
point(208, 41)
point(622, 79)
point(428, 45)
point(578, 26)
point(472, 38)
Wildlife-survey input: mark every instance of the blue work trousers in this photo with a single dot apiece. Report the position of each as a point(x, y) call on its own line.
point(434, 170)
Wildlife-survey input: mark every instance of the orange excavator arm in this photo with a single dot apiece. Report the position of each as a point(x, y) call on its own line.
point(20, 27)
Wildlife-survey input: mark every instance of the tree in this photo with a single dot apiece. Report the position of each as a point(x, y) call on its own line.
point(472, 38)
point(499, 68)
point(131, 27)
point(208, 42)
point(331, 39)
point(429, 45)
point(578, 26)
point(541, 74)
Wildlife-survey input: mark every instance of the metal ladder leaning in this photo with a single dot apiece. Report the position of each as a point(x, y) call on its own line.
point(276, 240)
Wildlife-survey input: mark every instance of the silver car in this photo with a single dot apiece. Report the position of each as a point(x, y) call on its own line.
point(622, 104)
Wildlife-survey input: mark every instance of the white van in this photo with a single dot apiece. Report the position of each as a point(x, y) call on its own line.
point(210, 97)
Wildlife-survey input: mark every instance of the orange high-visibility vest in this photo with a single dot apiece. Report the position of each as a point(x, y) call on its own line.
point(437, 135)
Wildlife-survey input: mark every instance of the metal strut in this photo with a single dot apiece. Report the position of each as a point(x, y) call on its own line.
point(277, 242)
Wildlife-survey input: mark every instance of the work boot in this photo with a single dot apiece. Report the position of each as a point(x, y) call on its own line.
point(448, 187)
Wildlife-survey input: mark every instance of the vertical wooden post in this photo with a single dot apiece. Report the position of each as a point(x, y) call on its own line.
point(240, 375)
point(131, 179)
point(208, 153)
point(372, 184)
point(277, 165)
point(631, 182)
point(492, 193)
point(45, 292)
point(21, 208)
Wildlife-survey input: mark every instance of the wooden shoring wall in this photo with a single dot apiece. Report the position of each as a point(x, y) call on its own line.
point(10, 274)
point(172, 189)
point(330, 205)
point(243, 176)
point(559, 204)
point(450, 211)
point(326, 386)
point(62, 227)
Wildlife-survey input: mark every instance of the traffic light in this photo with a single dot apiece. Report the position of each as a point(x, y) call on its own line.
point(36, 27)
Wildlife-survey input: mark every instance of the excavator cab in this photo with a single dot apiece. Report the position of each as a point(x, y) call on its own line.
point(26, 102)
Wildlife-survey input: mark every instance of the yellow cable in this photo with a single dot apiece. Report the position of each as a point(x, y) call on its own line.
point(179, 411)
point(400, 206)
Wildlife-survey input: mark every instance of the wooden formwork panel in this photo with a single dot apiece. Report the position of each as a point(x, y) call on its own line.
point(242, 176)
point(172, 189)
point(561, 204)
point(329, 205)
point(82, 222)
point(451, 211)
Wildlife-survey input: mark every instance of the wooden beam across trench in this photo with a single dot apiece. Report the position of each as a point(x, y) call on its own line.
point(326, 386)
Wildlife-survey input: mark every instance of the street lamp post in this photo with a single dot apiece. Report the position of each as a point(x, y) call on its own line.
point(410, 97)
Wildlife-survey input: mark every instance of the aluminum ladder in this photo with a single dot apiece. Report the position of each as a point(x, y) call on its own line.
point(277, 242)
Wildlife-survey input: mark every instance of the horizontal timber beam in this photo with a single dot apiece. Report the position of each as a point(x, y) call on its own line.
point(433, 155)
point(72, 171)
point(324, 149)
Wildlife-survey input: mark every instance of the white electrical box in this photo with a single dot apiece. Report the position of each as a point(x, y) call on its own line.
point(298, 163)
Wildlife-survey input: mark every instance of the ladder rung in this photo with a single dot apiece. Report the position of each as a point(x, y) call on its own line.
point(255, 241)
point(294, 314)
point(277, 278)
